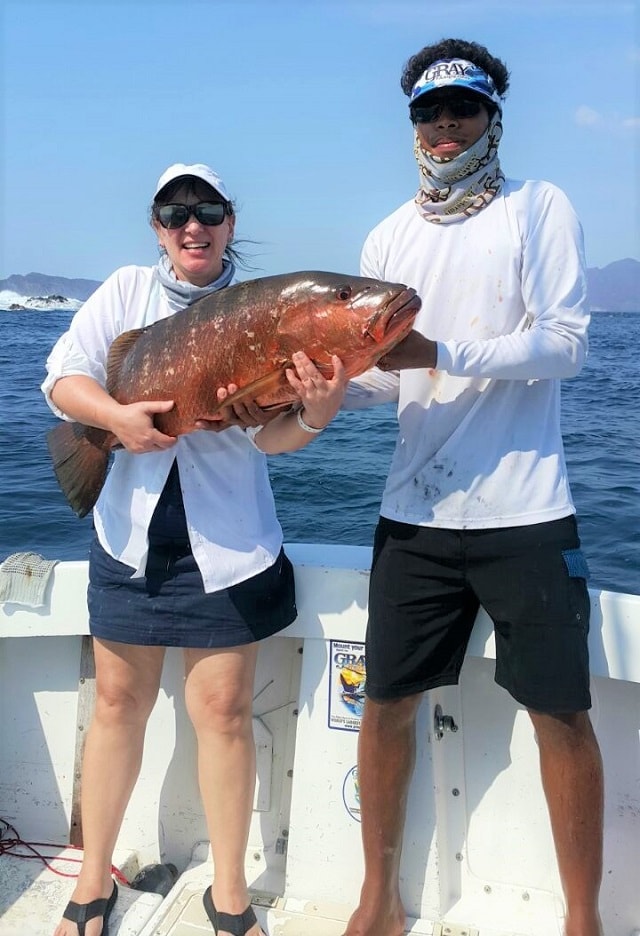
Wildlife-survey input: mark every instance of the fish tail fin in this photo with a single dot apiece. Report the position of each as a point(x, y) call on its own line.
point(80, 461)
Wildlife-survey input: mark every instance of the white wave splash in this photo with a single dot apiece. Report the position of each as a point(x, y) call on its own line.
point(14, 302)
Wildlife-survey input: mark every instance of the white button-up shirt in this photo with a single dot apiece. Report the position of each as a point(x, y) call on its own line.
point(229, 506)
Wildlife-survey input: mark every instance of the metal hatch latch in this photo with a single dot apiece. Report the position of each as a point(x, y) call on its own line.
point(442, 723)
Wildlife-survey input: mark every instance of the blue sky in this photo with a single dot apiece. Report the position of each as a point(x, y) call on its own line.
point(298, 106)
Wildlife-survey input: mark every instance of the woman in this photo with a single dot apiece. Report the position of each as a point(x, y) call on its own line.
point(193, 515)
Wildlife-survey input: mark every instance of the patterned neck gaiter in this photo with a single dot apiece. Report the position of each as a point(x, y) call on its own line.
point(453, 189)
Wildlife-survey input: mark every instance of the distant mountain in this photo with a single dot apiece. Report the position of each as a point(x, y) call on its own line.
point(39, 284)
point(614, 288)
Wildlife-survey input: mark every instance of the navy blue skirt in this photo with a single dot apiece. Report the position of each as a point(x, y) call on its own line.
point(169, 607)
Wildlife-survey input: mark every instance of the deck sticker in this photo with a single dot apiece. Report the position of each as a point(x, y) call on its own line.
point(347, 674)
point(351, 794)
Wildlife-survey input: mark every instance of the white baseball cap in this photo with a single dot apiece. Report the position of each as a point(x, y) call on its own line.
point(196, 171)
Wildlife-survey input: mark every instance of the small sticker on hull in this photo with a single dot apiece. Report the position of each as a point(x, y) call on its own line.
point(347, 675)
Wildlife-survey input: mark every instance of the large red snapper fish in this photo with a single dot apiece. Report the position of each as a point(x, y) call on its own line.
point(243, 335)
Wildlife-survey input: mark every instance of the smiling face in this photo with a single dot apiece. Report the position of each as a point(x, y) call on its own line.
point(195, 250)
point(449, 135)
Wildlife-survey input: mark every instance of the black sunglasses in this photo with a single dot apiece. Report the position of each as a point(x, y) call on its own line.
point(176, 216)
point(457, 107)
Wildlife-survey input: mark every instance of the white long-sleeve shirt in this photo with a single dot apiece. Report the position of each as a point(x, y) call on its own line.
point(229, 506)
point(504, 296)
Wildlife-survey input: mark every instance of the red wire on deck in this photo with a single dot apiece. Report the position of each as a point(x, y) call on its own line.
point(11, 842)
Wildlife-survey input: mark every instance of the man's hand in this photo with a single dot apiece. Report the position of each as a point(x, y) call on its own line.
point(413, 351)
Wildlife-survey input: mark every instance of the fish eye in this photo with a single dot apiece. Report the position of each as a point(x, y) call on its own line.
point(343, 292)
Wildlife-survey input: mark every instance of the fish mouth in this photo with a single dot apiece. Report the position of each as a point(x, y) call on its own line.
point(396, 319)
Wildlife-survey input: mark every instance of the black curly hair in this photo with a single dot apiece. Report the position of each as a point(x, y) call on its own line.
point(450, 49)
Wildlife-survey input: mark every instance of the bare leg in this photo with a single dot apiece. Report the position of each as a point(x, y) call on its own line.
point(219, 696)
point(572, 778)
point(127, 681)
point(386, 758)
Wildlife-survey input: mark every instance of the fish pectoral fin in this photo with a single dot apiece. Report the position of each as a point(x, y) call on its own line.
point(117, 353)
point(278, 407)
point(274, 382)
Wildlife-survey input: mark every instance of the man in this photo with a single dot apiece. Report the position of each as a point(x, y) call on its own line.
point(477, 508)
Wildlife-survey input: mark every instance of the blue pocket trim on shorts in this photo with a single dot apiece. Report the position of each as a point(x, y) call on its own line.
point(576, 563)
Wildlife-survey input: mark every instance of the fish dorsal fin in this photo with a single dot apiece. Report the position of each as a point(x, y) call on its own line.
point(117, 353)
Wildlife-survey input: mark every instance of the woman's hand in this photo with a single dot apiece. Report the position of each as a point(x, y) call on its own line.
point(321, 397)
point(86, 401)
point(132, 424)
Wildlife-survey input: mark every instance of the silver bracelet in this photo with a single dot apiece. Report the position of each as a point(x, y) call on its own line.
point(304, 426)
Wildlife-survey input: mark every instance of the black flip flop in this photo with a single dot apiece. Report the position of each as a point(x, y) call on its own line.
point(238, 924)
point(80, 914)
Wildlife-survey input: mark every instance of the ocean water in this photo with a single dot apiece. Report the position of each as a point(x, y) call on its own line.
point(330, 491)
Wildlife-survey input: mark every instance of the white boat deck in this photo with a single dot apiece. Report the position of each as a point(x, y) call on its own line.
point(478, 856)
point(31, 905)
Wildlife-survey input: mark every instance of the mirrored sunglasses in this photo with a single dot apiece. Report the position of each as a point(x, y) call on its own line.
point(457, 107)
point(208, 213)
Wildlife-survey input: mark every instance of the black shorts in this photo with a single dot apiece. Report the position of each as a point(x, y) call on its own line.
point(427, 585)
